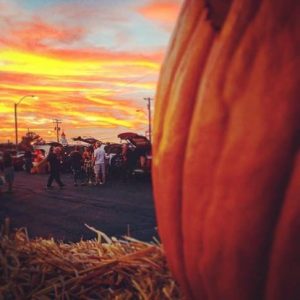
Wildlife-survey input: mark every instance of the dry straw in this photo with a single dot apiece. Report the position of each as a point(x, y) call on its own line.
point(113, 269)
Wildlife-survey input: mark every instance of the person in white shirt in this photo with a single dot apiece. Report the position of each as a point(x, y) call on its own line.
point(99, 163)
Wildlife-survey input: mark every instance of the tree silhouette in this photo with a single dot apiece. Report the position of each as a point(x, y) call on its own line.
point(29, 139)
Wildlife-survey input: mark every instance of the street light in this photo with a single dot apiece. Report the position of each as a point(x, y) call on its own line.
point(148, 99)
point(16, 119)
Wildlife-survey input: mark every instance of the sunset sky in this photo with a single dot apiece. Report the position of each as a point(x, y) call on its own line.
point(90, 62)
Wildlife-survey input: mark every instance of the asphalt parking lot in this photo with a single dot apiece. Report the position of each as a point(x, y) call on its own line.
point(117, 208)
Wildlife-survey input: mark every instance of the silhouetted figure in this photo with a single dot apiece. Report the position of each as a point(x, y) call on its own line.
point(88, 164)
point(8, 170)
point(76, 165)
point(28, 161)
point(54, 162)
point(129, 160)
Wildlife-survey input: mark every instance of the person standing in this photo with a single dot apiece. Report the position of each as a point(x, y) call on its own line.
point(99, 164)
point(28, 160)
point(76, 165)
point(8, 170)
point(54, 162)
point(124, 154)
point(128, 162)
point(88, 165)
point(86, 155)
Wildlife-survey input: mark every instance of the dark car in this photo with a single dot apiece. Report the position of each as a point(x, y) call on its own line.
point(141, 151)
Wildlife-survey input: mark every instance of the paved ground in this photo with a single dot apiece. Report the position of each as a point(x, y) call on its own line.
point(61, 214)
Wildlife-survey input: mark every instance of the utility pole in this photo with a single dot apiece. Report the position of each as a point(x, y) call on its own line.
point(148, 99)
point(15, 109)
point(57, 128)
point(16, 124)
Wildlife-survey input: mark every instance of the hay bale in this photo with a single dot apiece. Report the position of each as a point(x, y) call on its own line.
point(113, 269)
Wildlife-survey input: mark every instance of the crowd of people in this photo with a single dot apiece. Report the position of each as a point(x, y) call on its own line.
point(89, 167)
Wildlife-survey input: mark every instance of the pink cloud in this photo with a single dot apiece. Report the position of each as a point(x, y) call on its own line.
point(164, 11)
point(39, 35)
point(73, 34)
point(41, 38)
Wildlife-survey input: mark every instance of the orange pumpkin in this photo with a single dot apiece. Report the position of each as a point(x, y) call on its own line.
point(226, 168)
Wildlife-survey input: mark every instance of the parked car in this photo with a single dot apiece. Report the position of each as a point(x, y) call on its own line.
point(17, 157)
point(141, 152)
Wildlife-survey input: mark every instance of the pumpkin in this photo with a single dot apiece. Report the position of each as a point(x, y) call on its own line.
point(226, 159)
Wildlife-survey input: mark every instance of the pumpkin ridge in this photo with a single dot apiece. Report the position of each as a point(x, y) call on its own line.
point(187, 68)
point(268, 248)
point(224, 60)
point(265, 102)
point(225, 116)
point(278, 281)
point(239, 212)
point(292, 168)
point(204, 210)
point(161, 106)
point(221, 100)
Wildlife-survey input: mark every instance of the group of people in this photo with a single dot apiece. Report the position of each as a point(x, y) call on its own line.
point(85, 166)
point(89, 167)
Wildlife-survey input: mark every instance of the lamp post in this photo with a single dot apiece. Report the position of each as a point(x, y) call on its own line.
point(149, 117)
point(16, 118)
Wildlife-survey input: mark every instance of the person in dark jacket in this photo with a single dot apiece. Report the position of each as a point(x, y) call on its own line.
point(129, 161)
point(54, 162)
point(28, 160)
point(8, 170)
point(76, 165)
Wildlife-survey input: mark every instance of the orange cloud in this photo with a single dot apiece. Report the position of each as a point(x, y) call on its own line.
point(92, 89)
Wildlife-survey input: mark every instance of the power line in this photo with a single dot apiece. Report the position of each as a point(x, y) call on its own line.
point(128, 83)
